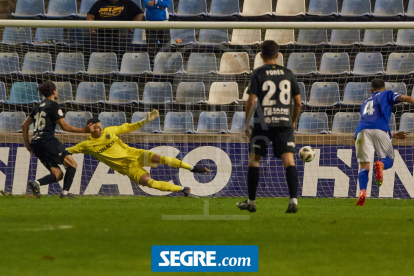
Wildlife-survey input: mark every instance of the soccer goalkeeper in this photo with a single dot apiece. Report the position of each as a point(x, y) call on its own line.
point(107, 147)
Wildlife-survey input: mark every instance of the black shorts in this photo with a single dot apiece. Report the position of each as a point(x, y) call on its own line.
point(50, 152)
point(282, 139)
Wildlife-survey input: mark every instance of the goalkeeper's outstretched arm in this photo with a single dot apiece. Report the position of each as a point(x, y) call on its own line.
point(125, 128)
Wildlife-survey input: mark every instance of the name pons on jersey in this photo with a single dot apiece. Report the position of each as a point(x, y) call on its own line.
point(275, 72)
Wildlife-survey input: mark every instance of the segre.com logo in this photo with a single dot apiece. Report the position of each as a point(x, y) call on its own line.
point(205, 258)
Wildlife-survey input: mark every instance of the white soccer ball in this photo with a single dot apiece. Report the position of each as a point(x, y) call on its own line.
point(306, 154)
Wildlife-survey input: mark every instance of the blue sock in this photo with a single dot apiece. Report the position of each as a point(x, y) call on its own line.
point(388, 162)
point(363, 179)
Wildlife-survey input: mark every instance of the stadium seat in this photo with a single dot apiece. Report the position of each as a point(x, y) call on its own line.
point(405, 37)
point(202, 63)
point(388, 8)
point(407, 122)
point(77, 118)
point(157, 93)
point(139, 37)
point(29, 9)
point(368, 64)
point(234, 63)
point(123, 92)
point(410, 9)
point(323, 7)
point(302, 92)
point(168, 63)
point(102, 64)
point(90, 92)
point(356, 8)
point(223, 93)
point(112, 119)
point(324, 94)
point(257, 7)
point(138, 3)
point(290, 8)
point(258, 61)
point(313, 123)
point(213, 37)
point(238, 120)
point(246, 37)
point(212, 122)
point(37, 63)
point(345, 122)
point(393, 124)
point(69, 63)
point(48, 36)
point(302, 63)
point(191, 93)
point(135, 64)
point(65, 94)
point(356, 93)
point(10, 122)
point(189, 8)
point(182, 37)
point(345, 37)
point(179, 122)
point(152, 127)
point(226, 8)
point(24, 93)
point(400, 63)
point(3, 95)
point(85, 6)
point(335, 63)
point(378, 37)
point(312, 37)
point(17, 35)
point(281, 36)
point(62, 9)
point(9, 63)
point(397, 87)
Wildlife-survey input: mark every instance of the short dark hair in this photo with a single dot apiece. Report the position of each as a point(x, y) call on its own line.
point(269, 49)
point(93, 121)
point(377, 84)
point(47, 88)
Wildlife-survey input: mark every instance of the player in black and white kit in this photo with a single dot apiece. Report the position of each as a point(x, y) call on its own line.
point(274, 87)
point(46, 147)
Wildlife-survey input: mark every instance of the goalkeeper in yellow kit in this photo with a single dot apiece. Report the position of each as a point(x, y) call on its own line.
point(107, 147)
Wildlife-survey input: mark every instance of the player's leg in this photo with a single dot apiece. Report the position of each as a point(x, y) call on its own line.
point(71, 166)
point(146, 180)
point(177, 163)
point(364, 151)
point(385, 151)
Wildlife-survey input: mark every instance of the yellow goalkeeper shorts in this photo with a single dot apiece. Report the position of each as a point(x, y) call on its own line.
point(136, 170)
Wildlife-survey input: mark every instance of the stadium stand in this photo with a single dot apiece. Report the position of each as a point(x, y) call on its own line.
point(10, 122)
point(179, 122)
point(112, 119)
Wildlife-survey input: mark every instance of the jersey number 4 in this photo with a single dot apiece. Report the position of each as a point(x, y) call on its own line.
point(270, 87)
point(40, 121)
point(369, 108)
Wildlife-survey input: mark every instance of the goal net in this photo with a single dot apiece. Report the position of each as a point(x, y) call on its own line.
point(196, 74)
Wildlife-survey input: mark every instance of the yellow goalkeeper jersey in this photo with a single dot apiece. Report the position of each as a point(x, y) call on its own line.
point(110, 149)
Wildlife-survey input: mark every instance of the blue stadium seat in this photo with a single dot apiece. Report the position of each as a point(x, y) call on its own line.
point(85, 6)
point(344, 37)
point(290, 8)
point(29, 9)
point(378, 37)
point(246, 37)
point(323, 7)
point(312, 37)
point(17, 35)
point(138, 3)
point(238, 120)
point(313, 123)
point(324, 94)
point(168, 63)
point(112, 119)
point(223, 93)
point(302, 92)
point(139, 37)
point(123, 92)
point(24, 93)
point(69, 63)
point(62, 9)
point(335, 63)
point(3, 95)
point(179, 122)
point(224, 8)
point(234, 63)
point(11, 122)
point(181, 37)
point(9, 63)
point(345, 122)
point(407, 122)
point(135, 64)
point(152, 127)
point(212, 122)
point(400, 63)
point(410, 9)
point(356, 8)
point(191, 93)
point(48, 36)
point(102, 64)
point(213, 36)
point(65, 94)
point(189, 8)
point(393, 124)
point(90, 92)
point(368, 64)
point(258, 61)
point(281, 36)
point(37, 63)
point(77, 118)
point(397, 87)
point(157, 93)
point(257, 7)
point(405, 37)
point(356, 93)
point(202, 63)
point(388, 8)
point(302, 63)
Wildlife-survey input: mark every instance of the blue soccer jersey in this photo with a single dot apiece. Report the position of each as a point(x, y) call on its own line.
point(376, 111)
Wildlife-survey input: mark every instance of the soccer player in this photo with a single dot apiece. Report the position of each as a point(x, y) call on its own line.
point(373, 134)
point(45, 146)
point(274, 87)
point(107, 147)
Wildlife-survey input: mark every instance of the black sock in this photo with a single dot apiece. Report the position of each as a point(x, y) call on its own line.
point(48, 179)
point(292, 181)
point(69, 175)
point(252, 181)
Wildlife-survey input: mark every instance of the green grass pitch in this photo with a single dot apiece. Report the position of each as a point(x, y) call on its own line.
point(114, 235)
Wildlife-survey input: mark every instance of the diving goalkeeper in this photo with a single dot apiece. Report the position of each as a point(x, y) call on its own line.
point(107, 147)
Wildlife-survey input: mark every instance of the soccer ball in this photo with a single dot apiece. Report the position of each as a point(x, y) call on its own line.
point(306, 154)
